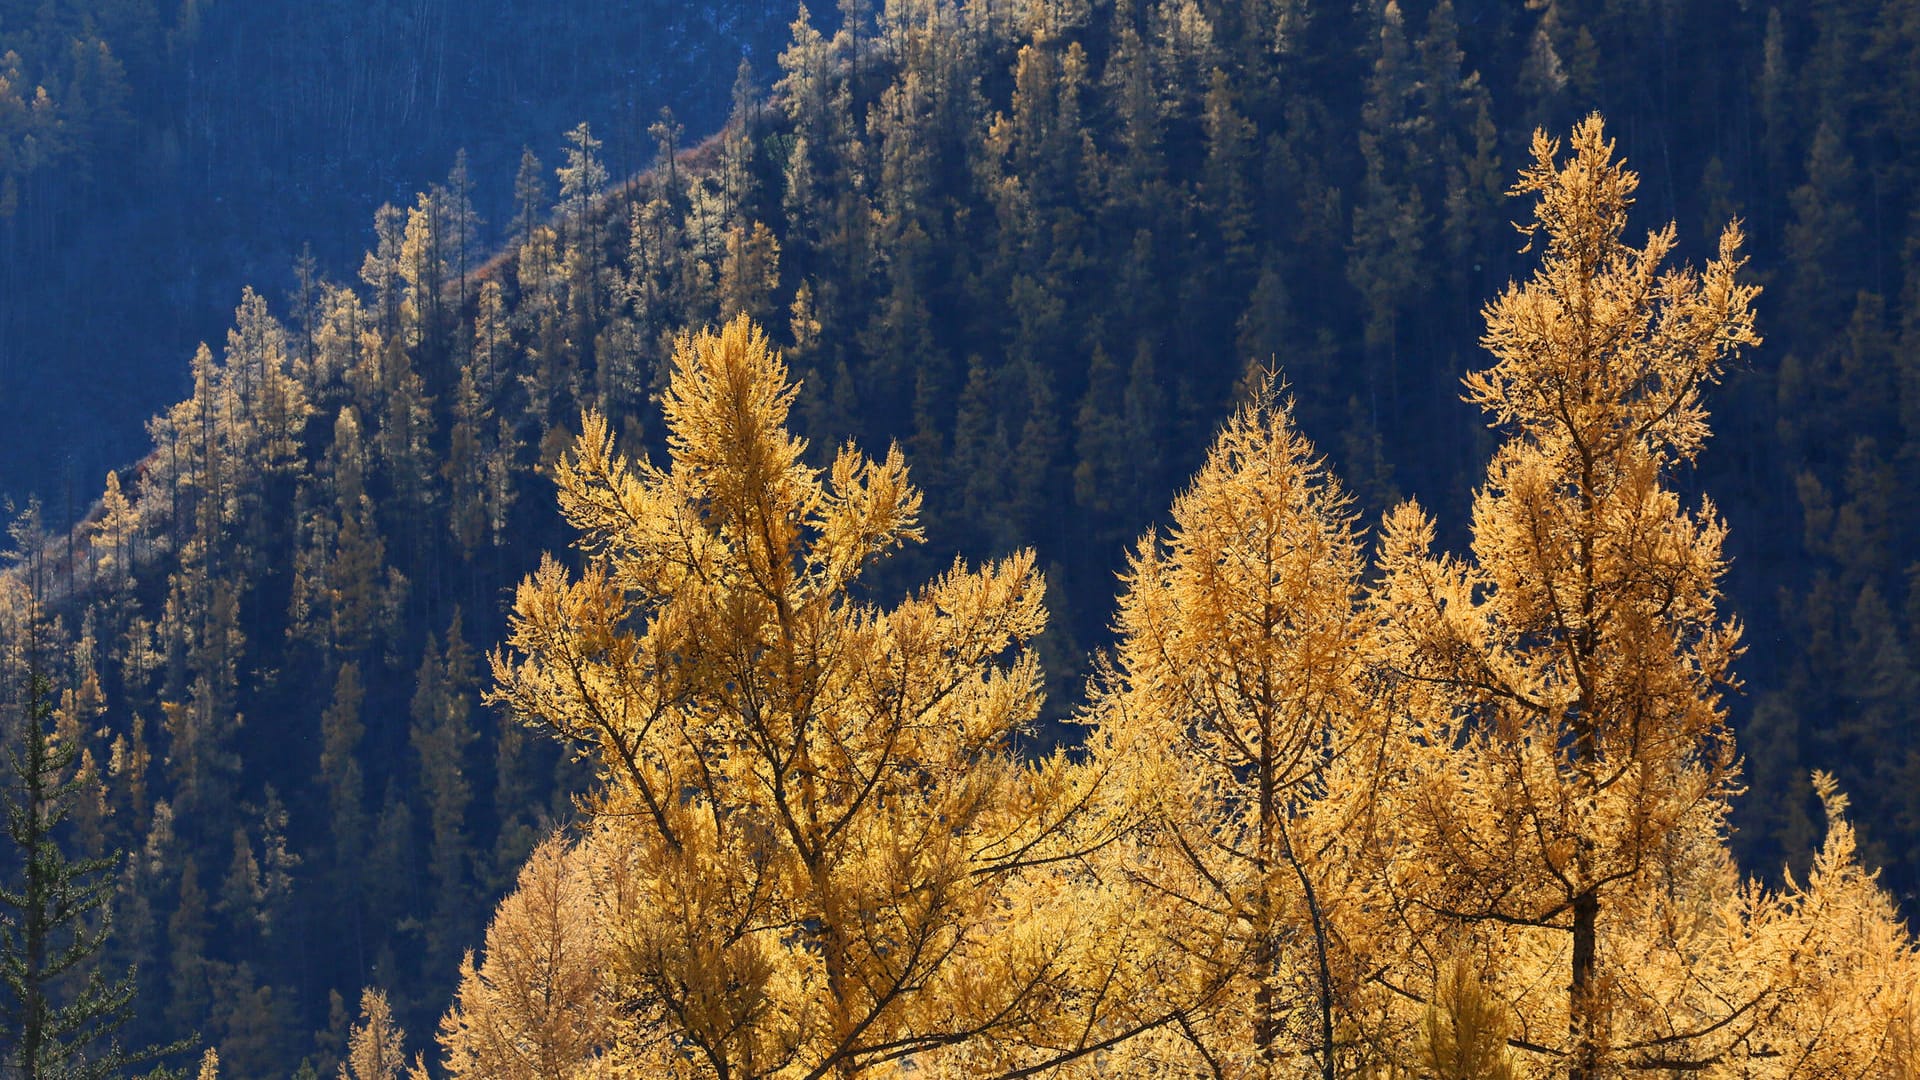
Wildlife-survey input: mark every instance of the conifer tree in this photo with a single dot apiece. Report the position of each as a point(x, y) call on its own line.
point(1226, 187)
point(750, 273)
point(462, 228)
point(981, 450)
point(1851, 1002)
point(820, 835)
point(377, 1048)
point(1100, 438)
point(1564, 684)
point(582, 179)
point(423, 267)
point(466, 463)
point(666, 133)
point(442, 734)
point(491, 343)
point(113, 537)
point(1236, 682)
point(537, 1005)
point(1390, 220)
point(740, 138)
point(188, 932)
point(1825, 229)
point(340, 733)
point(529, 196)
point(380, 270)
point(1038, 487)
point(63, 1010)
point(1464, 1030)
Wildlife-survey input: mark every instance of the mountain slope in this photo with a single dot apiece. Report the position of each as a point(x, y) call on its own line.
point(1036, 243)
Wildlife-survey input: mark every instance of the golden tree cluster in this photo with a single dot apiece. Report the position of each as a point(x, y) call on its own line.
point(1454, 816)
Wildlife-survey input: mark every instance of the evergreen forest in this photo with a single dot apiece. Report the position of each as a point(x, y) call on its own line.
point(1201, 538)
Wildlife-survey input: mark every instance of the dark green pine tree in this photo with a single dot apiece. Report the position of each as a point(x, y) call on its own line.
point(54, 919)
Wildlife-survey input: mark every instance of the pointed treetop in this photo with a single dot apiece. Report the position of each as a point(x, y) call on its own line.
point(1603, 351)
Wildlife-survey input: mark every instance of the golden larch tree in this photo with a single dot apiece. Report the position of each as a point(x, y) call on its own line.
point(376, 1050)
point(1569, 761)
point(537, 1007)
point(824, 850)
point(1235, 683)
point(1848, 997)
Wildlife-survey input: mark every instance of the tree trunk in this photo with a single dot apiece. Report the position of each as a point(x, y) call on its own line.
point(1581, 999)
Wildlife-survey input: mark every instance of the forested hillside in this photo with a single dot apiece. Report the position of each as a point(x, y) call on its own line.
point(1035, 242)
point(157, 155)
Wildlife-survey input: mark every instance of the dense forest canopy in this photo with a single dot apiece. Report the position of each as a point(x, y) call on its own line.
point(1035, 242)
point(158, 155)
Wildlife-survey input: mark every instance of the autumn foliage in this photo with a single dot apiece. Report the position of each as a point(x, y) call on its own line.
point(1457, 816)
